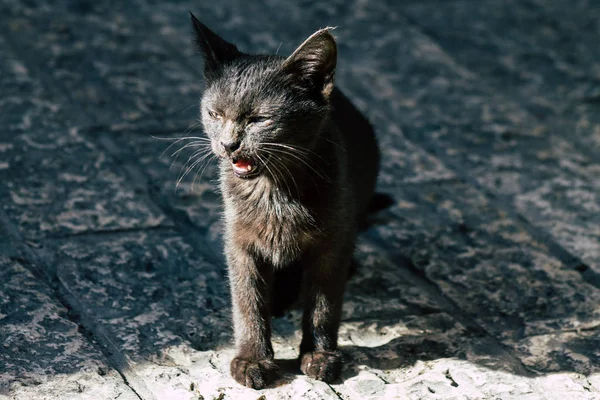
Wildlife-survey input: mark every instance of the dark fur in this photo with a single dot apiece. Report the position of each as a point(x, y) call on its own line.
point(291, 227)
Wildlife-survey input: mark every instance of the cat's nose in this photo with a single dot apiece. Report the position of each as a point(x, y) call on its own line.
point(231, 146)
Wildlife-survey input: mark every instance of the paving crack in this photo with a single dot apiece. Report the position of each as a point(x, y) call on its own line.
point(450, 307)
point(108, 232)
point(449, 377)
point(338, 395)
point(35, 263)
point(211, 362)
point(131, 168)
point(499, 200)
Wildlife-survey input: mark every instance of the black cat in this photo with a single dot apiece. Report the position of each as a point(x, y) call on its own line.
point(298, 165)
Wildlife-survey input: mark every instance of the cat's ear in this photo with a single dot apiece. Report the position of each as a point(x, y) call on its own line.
point(216, 50)
point(315, 60)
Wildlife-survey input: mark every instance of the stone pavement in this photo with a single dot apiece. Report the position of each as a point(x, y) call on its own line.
point(482, 281)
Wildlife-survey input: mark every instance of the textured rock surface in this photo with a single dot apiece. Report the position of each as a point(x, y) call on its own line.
point(44, 354)
point(482, 281)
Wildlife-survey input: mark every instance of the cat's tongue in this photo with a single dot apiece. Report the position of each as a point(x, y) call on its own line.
point(243, 166)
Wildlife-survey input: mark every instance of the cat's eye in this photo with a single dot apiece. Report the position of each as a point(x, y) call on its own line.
point(257, 119)
point(214, 114)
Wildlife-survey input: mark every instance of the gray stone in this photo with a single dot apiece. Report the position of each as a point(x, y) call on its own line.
point(26, 104)
point(43, 353)
point(553, 76)
point(55, 181)
point(494, 270)
point(60, 183)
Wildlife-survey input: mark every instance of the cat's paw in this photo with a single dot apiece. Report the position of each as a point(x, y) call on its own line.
point(322, 365)
point(252, 373)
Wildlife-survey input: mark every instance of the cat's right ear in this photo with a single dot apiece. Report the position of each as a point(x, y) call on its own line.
point(216, 50)
point(315, 61)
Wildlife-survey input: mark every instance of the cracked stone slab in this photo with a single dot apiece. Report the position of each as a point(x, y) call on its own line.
point(537, 177)
point(574, 223)
point(513, 42)
point(25, 103)
point(43, 353)
point(449, 378)
point(60, 183)
point(536, 49)
point(168, 311)
point(494, 270)
point(109, 61)
point(552, 179)
point(189, 189)
point(55, 181)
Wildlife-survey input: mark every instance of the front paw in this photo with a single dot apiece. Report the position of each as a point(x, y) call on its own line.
point(252, 373)
point(322, 365)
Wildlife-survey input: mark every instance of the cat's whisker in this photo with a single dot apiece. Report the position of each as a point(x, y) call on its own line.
point(298, 149)
point(195, 143)
point(190, 168)
point(203, 149)
point(197, 157)
point(280, 175)
point(195, 154)
point(198, 153)
point(293, 158)
point(292, 176)
point(321, 174)
point(305, 155)
point(192, 126)
point(187, 108)
point(263, 161)
point(206, 164)
point(273, 157)
point(289, 173)
point(266, 165)
point(194, 138)
point(184, 135)
point(177, 140)
point(333, 143)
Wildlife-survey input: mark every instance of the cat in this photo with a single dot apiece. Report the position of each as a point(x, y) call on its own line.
point(298, 166)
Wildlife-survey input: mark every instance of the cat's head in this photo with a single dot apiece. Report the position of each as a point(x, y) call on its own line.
point(258, 108)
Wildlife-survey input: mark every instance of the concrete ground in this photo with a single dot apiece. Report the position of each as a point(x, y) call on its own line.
point(482, 281)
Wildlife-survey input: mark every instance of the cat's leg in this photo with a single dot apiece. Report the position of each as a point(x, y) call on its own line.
point(326, 276)
point(250, 282)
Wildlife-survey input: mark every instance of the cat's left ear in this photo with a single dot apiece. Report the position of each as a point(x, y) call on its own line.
point(216, 50)
point(315, 60)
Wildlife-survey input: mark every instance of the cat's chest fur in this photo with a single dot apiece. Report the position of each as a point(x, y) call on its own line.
point(266, 221)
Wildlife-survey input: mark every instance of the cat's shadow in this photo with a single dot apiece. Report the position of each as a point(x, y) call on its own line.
point(399, 353)
point(289, 370)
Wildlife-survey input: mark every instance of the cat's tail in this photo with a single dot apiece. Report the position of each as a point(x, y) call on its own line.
point(379, 202)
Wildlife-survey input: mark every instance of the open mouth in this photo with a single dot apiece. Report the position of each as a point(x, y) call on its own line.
point(244, 167)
